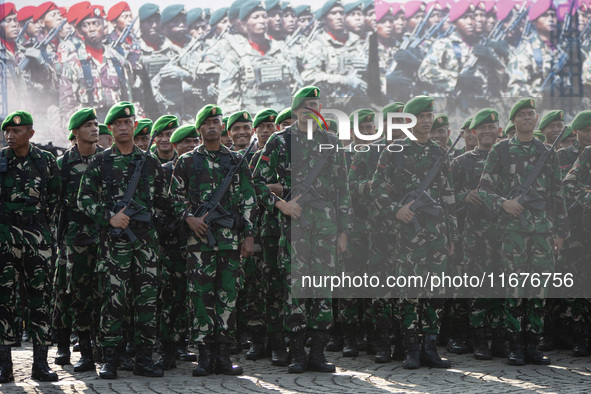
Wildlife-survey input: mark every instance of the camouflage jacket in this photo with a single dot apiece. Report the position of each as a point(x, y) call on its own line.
point(567, 157)
point(95, 187)
point(385, 56)
point(152, 59)
point(277, 164)
point(79, 229)
point(268, 219)
point(501, 175)
point(403, 178)
point(190, 189)
point(577, 183)
point(130, 48)
point(25, 193)
point(164, 161)
point(16, 80)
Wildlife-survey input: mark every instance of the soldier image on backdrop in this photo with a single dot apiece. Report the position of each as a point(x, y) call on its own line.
point(30, 28)
point(174, 25)
point(197, 25)
point(127, 269)
point(288, 19)
point(121, 18)
point(354, 19)
point(275, 20)
point(11, 54)
point(214, 250)
point(390, 28)
point(29, 188)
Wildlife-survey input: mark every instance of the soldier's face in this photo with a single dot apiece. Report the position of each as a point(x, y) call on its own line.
point(162, 141)
point(122, 129)
point(198, 29)
point(52, 19)
point(151, 27)
point(240, 132)
point(33, 28)
point(273, 20)
point(397, 134)
point(286, 123)
point(211, 128)
point(335, 18)
point(399, 23)
point(289, 22)
point(124, 20)
point(177, 27)
point(435, 18)
point(9, 28)
point(547, 22)
point(18, 137)
point(440, 135)
point(222, 25)
point(552, 130)
point(584, 136)
point(257, 23)
point(370, 19)
point(465, 24)
point(65, 30)
point(424, 123)
point(385, 27)
point(479, 20)
point(491, 20)
point(568, 141)
point(142, 141)
point(486, 134)
point(87, 132)
point(92, 30)
point(264, 130)
point(226, 141)
point(354, 21)
point(186, 145)
point(304, 20)
point(366, 128)
point(304, 111)
point(526, 120)
point(105, 141)
point(415, 20)
point(470, 138)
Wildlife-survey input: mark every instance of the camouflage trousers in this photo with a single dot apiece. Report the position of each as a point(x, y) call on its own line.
point(213, 282)
point(128, 283)
point(275, 285)
point(27, 265)
point(174, 311)
point(384, 312)
point(254, 283)
point(352, 311)
point(61, 315)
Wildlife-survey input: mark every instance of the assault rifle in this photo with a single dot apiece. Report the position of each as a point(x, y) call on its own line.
point(123, 36)
point(42, 45)
point(513, 23)
point(132, 208)
point(527, 196)
point(23, 30)
point(212, 210)
point(421, 201)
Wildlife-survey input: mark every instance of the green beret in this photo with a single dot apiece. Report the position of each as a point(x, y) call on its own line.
point(71, 136)
point(17, 118)
point(217, 16)
point(539, 135)
point(285, 114)
point(240, 116)
point(234, 9)
point(144, 127)
point(394, 107)
point(304, 94)
point(353, 6)
point(582, 120)
point(521, 104)
point(249, 7)
point(270, 4)
point(123, 109)
point(286, 5)
point(567, 133)
point(510, 126)
point(327, 7)
point(185, 131)
point(206, 112)
point(419, 104)
point(466, 123)
point(206, 13)
point(332, 125)
point(302, 9)
point(550, 117)
point(165, 122)
point(170, 12)
point(440, 120)
point(484, 116)
point(194, 15)
point(364, 115)
point(148, 10)
point(266, 115)
point(80, 117)
point(104, 130)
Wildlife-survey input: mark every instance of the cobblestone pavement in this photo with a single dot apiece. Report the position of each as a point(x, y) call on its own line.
point(359, 375)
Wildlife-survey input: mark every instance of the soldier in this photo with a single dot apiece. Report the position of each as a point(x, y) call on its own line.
point(568, 138)
point(214, 271)
point(162, 131)
point(197, 26)
point(390, 25)
point(470, 141)
point(184, 139)
point(93, 75)
point(297, 255)
point(274, 20)
point(481, 240)
point(240, 130)
point(174, 25)
point(30, 28)
point(30, 186)
point(127, 270)
point(284, 119)
point(551, 125)
point(304, 16)
point(369, 14)
point(531, 247)
point(142, 133)
point(78, 234)
point(120, 17)
point(427, 251)
point(288, 19)
point(11, 54)
point(354, 19)
point(440, 130)
point(219, 19)
point(105, 137)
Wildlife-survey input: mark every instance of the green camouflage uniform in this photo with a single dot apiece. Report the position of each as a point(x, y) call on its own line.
point(28, 202)
point(126, 271)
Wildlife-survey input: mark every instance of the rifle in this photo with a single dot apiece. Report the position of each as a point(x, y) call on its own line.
point(42, 45)
point(313, 33)
point(213, 211)
point(295, 36)
point(132, 208)
point(527, 196)
point(513, 23)
point(123, 36)
point(70, 34)
point(23, 30)
point(421, 201)
point(584, 36)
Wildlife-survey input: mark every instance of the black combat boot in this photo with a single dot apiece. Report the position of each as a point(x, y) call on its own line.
point(480, 344)
point(183, 353)
point(110, 361)
point(579, 340)
point(297, 352)
point(205, 365)
point(279, 356)
point(350, 347)
point(125, 359)
point(257, 343)
point(498, 348)
point(167, 359)
point(382, 346)
point(5, 365)
point(429, 355)
point(62, 356)
point(398, 352)
point(316, 360)
point(532, 356)
point(223, 364)
point(516, 356)
point(144, 366)
point(41, 369)
point(457, 338)
point(411, 350)
point(86, 362)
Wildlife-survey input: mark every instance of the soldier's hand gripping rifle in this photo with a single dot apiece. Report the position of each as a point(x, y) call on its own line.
point(42, 45)
point(526, 196)
point(132, 209)
point(212, 210)
point(421, 201)
point(116, 45)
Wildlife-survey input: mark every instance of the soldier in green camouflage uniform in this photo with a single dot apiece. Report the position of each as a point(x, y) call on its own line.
point(126, 269)
point(214, 270)
point(530, 248)
point(141, 135)
point(428, 250)
point(306, 251)
point(162, 131)
point(29, 192)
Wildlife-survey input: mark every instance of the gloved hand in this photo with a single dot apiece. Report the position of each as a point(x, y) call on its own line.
point(408, 59)
point(354, 82)
point(487, 56)
point(398, 85)
point(469, 82)
point(35, 54)
point(500, 48)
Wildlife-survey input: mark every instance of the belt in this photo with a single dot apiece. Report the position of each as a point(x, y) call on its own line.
point(23, 220)
point(79, 218)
